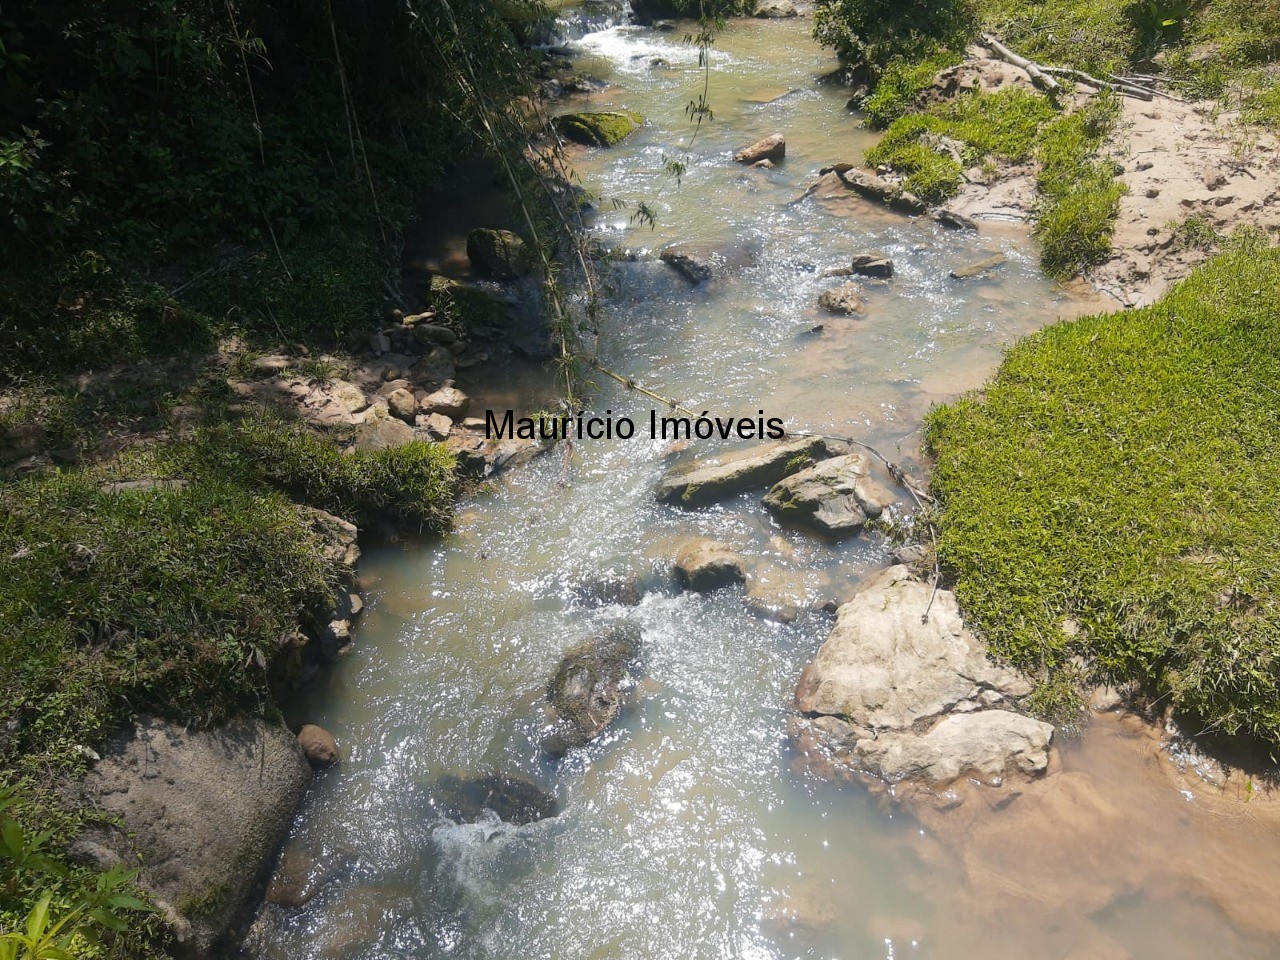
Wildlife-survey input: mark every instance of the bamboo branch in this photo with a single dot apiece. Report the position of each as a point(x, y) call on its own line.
point(1149, 87)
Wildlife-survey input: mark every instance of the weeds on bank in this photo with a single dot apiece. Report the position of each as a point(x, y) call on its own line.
point(171, 599)
point(50, 911)
point(1079, 192)
point(412, 485)
point(933, 147)
point(1114, 494)
point(901, 84)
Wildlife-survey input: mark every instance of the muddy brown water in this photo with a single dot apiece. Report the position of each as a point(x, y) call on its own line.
point(687, 832)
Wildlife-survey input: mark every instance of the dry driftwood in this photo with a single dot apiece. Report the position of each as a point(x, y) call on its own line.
point(1128, 89)
point(1042, 76)
point(1038, 76)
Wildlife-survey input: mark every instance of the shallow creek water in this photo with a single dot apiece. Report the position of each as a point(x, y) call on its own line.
point(686, 832)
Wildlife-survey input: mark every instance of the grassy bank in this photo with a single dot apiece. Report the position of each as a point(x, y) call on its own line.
point(1114, 494)
point(175, 176)
point(1220, 49)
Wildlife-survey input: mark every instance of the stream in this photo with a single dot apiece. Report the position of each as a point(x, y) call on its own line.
point(689, 830)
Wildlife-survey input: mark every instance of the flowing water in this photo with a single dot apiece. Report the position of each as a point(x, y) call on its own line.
point(687, 831)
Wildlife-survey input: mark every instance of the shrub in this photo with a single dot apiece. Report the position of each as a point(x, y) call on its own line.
point(1114, 493)
point(870, 34)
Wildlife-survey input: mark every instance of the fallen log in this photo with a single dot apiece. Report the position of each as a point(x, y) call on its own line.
point(1042, 76)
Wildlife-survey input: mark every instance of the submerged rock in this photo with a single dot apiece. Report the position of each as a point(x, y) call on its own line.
point(703, 565)
point(954, 220)
point(604, 129)
point(979, 267)
point(699, 483)
point(624, 589)
point(778, 596)
point(835, 497)
point(902, 695)
point(464, 799)
point(772, 147)
point(694, 265)
point(499, 254)
point(846, 299)
point(586, 692)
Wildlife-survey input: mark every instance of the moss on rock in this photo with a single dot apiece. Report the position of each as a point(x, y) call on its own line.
point(604, 129)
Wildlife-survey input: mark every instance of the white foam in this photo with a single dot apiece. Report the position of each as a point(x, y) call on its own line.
point(631, 48)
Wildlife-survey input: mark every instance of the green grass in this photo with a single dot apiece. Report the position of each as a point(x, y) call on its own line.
point(901, 84)
point(1079, 194)
point(115, 603)
point(175, 599)
point(412, 485)
point(1098, 36)
point(1114, 493)
point(1003, 125)
point(1263, 106)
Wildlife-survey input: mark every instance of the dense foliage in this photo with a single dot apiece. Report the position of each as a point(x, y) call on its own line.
point(1114, 493)
point(869, 34)
point(172, 168)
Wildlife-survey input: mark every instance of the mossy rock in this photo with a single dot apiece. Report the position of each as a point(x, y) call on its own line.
point(470, 306)
point(605, 129)
point(500, 254)
point(586, 692)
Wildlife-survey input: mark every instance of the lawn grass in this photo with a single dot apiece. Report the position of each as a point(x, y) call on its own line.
point(1114, 494)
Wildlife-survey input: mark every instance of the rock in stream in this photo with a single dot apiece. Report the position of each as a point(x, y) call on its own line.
point(586, 694)
point(836, 497)
point(907, 698)
point(464, 799)
point(700, 482)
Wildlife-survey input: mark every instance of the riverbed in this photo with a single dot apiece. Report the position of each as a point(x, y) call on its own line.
point(690, 830)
